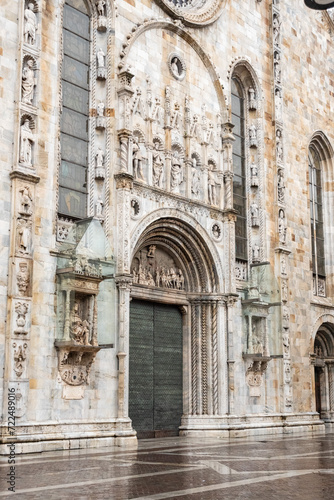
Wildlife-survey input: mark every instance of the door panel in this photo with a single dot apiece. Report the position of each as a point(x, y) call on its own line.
point(155, 398)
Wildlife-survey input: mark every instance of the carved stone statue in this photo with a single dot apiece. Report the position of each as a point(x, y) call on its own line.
point(256, 253)
point(278, 105)
point(252, 100)
point(26, 142)
point(137, 160)
point(100, 109)
point(282, 229)
point(279, 145)
point(100, 55)
point(99, 207)
point(254, 210)
point(28, 82)
point(283, 266)
point(100, 4)
point(281, 186)
point(176, 171)
point(30, 24)
point(257, 345)
point(99, 158)
point(79, 328)
point(252, 136)
point(24, 236)
point(276, 29)
point(22, 278)
point(254, 175)
point(212, 186)
point(277, 67)
point(26, 201)
point(158, 166)
point(175, 67)
point(196, 179)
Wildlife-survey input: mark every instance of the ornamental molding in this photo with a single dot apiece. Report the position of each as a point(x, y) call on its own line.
point(194, 13)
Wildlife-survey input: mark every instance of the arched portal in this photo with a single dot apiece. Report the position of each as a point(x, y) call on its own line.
point(324, 371)
point(175, 319)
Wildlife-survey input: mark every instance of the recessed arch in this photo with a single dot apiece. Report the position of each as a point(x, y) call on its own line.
point(188, 244)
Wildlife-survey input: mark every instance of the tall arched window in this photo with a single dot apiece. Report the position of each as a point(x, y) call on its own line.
point(239, 169)
point(317, 225)
point(75, 110)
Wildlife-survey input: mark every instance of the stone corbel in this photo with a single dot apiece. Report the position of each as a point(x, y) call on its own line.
point(254, 373)
point(75, 361)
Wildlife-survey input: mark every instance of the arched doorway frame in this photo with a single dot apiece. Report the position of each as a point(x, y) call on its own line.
point(322, 358)
point(202, 305)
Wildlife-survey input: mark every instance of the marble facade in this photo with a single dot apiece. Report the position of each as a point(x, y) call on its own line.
point(160, 183)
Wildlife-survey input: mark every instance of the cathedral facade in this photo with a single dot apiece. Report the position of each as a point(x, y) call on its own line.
point(166, 220)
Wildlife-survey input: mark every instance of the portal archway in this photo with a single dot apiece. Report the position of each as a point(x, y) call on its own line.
point(324, 371)
point(173, 265)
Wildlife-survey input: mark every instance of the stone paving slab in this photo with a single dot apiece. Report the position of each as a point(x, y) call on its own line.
point(184, 468)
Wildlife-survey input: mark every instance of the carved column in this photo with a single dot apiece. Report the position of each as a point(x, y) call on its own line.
point(229, 219)
point(123, 284)
point(124, 184)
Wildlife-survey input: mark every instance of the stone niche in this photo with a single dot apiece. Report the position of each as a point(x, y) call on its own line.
point(84, 262)
point(261, 307)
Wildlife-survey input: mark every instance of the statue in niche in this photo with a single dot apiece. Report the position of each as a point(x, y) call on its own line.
point(99, 207)
point(175, 66)
point(196, 178)
point(254, 175)
point(283, 266)
point(137, 160)
point(176, 171)
point(26, 201)
point(276, 29)
point(212, 185)
point(284, 291)
point(79, 328)
point(22, 278)
point(254, 210)
point(26, 142)
point(195, 129)
point(99, 158)
point(100, 55)
point(100, 109)
point(252, 136)
point(282, 229)
point(256, 253)
point(257, 344)
point(279, 146)
point(278, 104)
point(281, 186)
point(252, 100)
point(100, 4)
point(24, 236)
point(28, 82)
point(277, 67)
point(158, 166)
point(176, 118)
point(30, 24)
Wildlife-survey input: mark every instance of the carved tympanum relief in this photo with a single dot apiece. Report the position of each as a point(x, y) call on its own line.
point(153, 266)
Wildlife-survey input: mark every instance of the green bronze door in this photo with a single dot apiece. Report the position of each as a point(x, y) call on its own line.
point(155, 394)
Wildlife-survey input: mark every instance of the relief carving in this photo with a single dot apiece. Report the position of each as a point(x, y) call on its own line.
point(281, 186)
point(252, 131)
point(279, 146)
point(137, 160)
point(100, 172)
point(21, 309)
point(158, 165)
point(100, 119)
point(212, 184)
point(176, 171)
point(254, 175)
point(74, 365)
point(25, 201)
point(153, 266)
point(101, 68)
point(282, 227)
point(23, 278)
point(24, 237)
point(20, 356)
point(79, 329)
point(252, 100)
point(254, 210)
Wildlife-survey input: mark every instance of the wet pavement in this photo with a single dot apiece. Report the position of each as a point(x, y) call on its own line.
point(292, 467)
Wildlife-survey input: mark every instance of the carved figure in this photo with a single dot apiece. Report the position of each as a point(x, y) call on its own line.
point(279, 146)
point(282, 226)
point(195, 181)
point(254, 175)
point(252, 136)
point(276, 29)
point(100, 7)
point(79, 328)
point(176, 171)
point(26, 201)
point(30, 24)
point(281, 186)
point(24, 236)
point(175, 67)
point(212, 186)
point(99, 207)
point(21, 310)
point(252, 100)
point(100, 55)
point(22, 278)
point(256, 253)
point(20, 356)
point(158, 166)
point(28, 82)
point(151, 251)
point(99, 158)
point(254, 210)
point(216, 231)
point(278, 104)
point(284, 291)
point(257, 344)
point(100, 109)
point(283, 266)
point(26, 142)
point(137, 160)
